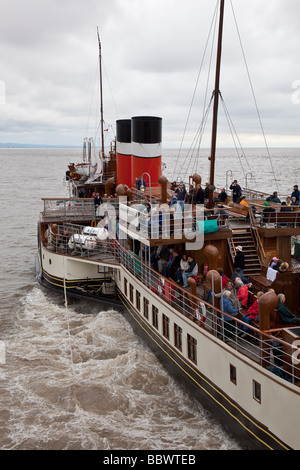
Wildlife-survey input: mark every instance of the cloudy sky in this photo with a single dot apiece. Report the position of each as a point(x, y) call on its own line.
point(152, 55)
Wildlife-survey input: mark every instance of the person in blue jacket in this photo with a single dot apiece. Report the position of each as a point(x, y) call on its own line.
point(226, 307)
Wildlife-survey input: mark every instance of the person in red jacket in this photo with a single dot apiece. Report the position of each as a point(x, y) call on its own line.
point(224, 277)
point(242, 292)
point(252, 312)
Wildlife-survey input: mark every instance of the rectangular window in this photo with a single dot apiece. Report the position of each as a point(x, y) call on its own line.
point(178, 337)
point(155, 316)
point(146, 308)
point(166, 326)
point(233, 374)
point(131, 293)
point(125, 286)
point(256, 391)
point(192, 348)
point(138, 300)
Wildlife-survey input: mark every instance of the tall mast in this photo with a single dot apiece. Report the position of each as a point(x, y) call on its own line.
point(216, 105)
point(101, 96)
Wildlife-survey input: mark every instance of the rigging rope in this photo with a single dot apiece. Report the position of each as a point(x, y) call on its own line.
point(199, 134)
point(193, 147)
point(196, 86)
point(234, 138)
point(96, 100)
point(253, 94)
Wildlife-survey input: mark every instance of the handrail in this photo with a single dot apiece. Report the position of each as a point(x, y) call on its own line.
point(259, 246)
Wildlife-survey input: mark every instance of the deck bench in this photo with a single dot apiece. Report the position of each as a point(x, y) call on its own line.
point(281, 219)
point(237, 210)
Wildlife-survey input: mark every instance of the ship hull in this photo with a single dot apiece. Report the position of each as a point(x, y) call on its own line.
point(248, 432)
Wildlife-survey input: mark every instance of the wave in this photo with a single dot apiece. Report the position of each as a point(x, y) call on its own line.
point(78, 380)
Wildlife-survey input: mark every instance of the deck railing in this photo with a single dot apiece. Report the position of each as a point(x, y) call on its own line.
point(265, 348)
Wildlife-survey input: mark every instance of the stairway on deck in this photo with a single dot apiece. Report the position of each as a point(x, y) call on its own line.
point(244, 238)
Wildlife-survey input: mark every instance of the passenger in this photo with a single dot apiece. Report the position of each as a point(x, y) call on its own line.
point(191, 196)
point(172, 265)
point(97, 202)
point(181, 194)
point(296, 194)
point(140, 184)
point(239, 273)
point(227, 307)
point(191, 271)
point(163, 258)
point(285, 208)
point(242, 293)
point(222, 212)
point(222, 196)
point(224, 278)
point(184, 265)
point(252, 313)
point(274, 198)
point(206, 192)
point(277, 265)
point(154, 257)
point(265, 213)
point(283, 267)
point(286, 315)
point(243, 201)
point(200, 196)
point(173, 201)
point(233, 295)
point(273, 262)
point(236, 191)
point(294, 202)
point(239, 260)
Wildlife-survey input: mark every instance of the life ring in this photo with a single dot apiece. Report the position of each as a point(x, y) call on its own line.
point(200, 312)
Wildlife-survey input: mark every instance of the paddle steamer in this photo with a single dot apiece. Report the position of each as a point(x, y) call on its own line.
point(251, 382)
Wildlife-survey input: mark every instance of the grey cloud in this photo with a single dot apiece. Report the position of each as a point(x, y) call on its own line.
point(152, 53)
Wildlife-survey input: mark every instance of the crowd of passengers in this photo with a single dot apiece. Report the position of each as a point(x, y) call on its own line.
point(234, 290)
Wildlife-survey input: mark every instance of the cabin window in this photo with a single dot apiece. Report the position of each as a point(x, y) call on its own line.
point(146, 308)
point(125, 286)
point(192, 348)
point(155, 316)
point(256, 391)
point(166, 326)
point(138, 300)
point(233, 374)
point(178, 337)
point(131, 293)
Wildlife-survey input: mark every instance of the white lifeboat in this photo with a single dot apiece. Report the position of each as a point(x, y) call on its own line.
point(85, 169)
